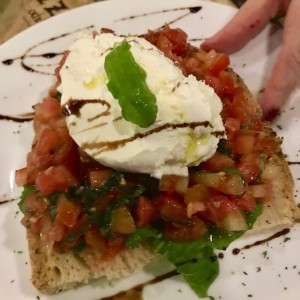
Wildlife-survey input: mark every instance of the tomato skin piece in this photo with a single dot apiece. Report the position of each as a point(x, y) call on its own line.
point(55, 179)
point(192, 230)
point(218, 206)
point(221, 83)
point(21, 176)
point(220, 63)
point(171, 207)
point(178, 39)
point(232, 125)
point(98, 177)
point(67, 212)
point(145, 212)
point(82, 226)
point(246, 202)
point(244, 143)
point(217, 162)
point(47, 110)
point(47, 141)
point(249, 166)
point(35, 205)
point(114, 247)
point(94, 238)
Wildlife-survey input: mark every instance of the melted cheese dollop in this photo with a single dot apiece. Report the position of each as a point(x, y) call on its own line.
point(188, 125)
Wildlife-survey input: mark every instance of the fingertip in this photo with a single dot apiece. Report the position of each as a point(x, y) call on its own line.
point(271, 114)
point(206, 45)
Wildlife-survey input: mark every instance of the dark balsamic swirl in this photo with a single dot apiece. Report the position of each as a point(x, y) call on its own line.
point(285, 231)
point(18, 119)
point(48, 55)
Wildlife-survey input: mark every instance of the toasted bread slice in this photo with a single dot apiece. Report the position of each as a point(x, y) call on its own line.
point(53, 271)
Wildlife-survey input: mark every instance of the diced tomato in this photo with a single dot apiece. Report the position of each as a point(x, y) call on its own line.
point(171, 207)
point(122, 221)
point(217, 162)
point(21, 176)
point(173, 183)
point(232, 125)
point(220, 63)
point(99, 177)
point(47, 110)
point(195, 207)
point(178, 38)
point(47, 141)
point(66, 154)
point(35, 204)
point(94, 238)
point(145, 211)
point(193, 66)
point(194, 229)
point(244, 143)
point(222, 84)
point(74, 235)
point(114, 247)
point(249, 166)
point(246, 202)
point(218, 207)
point(67, 212)
point(55, 179)
point(196, 193)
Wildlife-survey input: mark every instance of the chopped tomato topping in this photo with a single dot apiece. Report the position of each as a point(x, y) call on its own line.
point(94, 238)
point(218, 206)
point(145, 211)
point(225, 185)
point(55, 179)
point(67, 212)
point(217, 162)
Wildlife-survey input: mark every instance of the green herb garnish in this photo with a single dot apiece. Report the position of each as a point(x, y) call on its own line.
point(127, 83)
point(27, 190)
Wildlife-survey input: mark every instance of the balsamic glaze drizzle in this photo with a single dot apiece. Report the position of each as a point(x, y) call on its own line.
point(293, 162)
point(51, 55)
point(8, 201)
point(47, 55)
point(17, 119)
point(192, 10)
point(285, 231)
point(135, 293)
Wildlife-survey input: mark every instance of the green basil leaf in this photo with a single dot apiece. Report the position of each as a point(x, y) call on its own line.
point(252, 216)
point(127, 83)
point(200, 273)
point(220, 239)
point(141, 235)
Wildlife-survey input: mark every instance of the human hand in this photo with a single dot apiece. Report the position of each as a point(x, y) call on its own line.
point(253, 16)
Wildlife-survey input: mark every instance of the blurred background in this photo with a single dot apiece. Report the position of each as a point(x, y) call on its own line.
point(17, 15)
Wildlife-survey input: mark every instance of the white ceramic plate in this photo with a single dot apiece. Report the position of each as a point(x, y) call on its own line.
point(269, 271)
